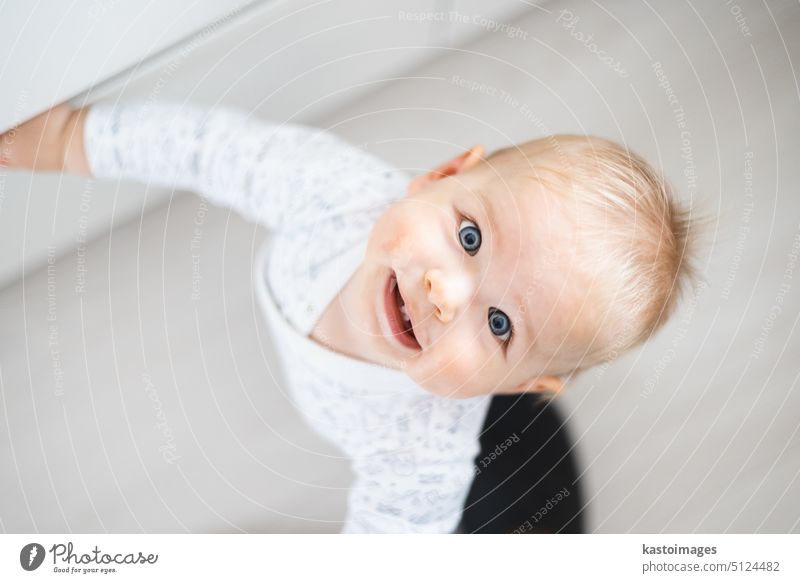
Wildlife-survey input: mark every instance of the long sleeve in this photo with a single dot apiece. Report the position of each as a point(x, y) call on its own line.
point(420, 484)
point(418, 493)
point(278, 175)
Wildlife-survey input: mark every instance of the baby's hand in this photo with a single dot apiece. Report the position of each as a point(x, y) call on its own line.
point(50, 142)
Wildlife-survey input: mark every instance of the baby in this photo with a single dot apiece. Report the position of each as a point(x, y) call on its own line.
point(399, 305)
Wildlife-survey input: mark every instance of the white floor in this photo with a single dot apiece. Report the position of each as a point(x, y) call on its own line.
point(142, 403)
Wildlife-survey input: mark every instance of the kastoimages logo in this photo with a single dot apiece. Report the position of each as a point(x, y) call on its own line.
point(31, 556)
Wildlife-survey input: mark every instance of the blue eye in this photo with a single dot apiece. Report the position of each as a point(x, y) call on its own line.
point(470, 236)
point(499, 324)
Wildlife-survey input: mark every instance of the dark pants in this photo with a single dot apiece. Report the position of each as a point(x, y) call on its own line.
point(526, 474)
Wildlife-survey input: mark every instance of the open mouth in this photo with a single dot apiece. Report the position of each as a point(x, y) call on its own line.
point(397, 315)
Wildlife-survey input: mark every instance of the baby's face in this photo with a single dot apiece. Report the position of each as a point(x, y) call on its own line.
point(481, 266)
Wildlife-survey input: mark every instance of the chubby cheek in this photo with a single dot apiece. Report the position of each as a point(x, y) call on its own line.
point(391, 239)
point(454, 369)
point(402, 234)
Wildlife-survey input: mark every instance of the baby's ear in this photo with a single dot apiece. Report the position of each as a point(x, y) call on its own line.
point(460, 163)
point(543, 384)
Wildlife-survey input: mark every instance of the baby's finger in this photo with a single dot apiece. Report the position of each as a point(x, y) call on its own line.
point(6, 139)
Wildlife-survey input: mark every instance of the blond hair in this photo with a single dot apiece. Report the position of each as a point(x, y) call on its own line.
point(635, 239)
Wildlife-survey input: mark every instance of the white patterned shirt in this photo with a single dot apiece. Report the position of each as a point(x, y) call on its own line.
point(412, 452)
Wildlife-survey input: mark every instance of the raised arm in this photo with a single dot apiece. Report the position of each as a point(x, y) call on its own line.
point(275, 174)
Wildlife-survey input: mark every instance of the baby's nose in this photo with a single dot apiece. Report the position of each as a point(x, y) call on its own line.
point(448, 292)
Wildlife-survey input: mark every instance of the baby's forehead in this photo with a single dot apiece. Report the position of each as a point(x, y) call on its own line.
point(525, 215)
point(534, 246)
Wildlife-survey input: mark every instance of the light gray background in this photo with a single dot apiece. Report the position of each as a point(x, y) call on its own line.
point(694, 432)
